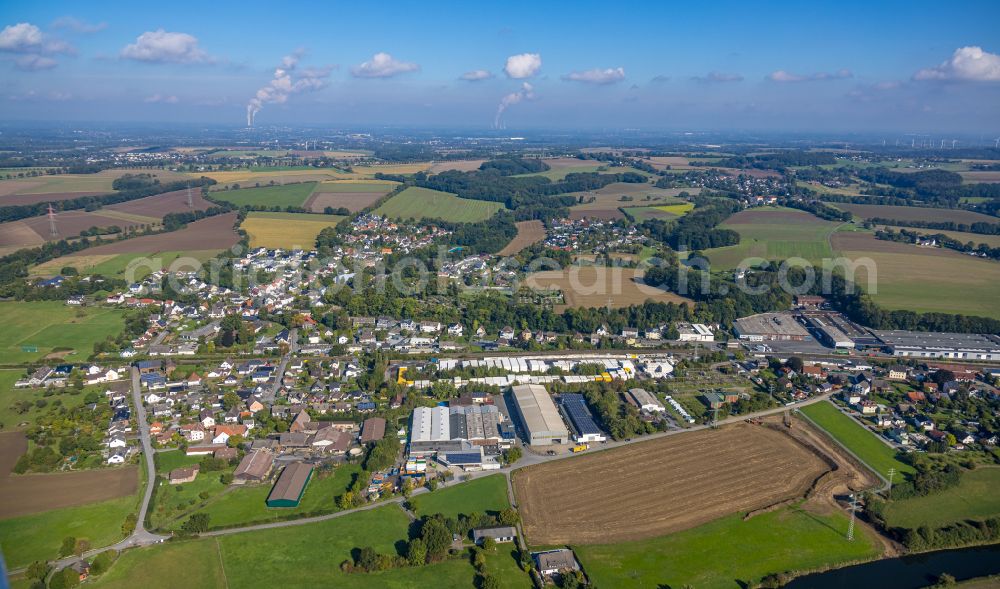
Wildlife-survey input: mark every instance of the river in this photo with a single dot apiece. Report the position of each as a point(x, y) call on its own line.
point(908, 572)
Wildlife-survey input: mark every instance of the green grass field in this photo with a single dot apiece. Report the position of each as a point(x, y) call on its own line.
point(377, 187)
point(679, 209)
point(860, 441)
point(38, 536)
point(308, 555)
point(774, 233)
point(10, 419)
point(286, 230)
point(423, 203)
point(488, 494)
point(288, 195)
point(558, 173)
point(53, 324)
point(245, 505)
point(975, 497)
point(728, 552)
point(115, 266)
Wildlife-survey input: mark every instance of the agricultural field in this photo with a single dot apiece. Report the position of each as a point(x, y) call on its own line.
point(679, 163)
point(607, 200)
point(922, 279)
point(915, 213)
point(962, 236)
point(353, 196)
point(560, 166)
point(35, 231)
point(159, 205)
point(977, 176)
point(862, 442)
point(264, 176)
point(67, 186)
point(974, 498)
point(774, 233)
point(38, 536)
point(424, 203)
point(131, 266)
point(308, 555)
point(593, 286)
point(787, 539)
point(459, 165)
point(528, 233)
point(662, 486)
point(397, 169)
point(286, 230)
point(287, 195)
point(53, 328)
point(212, 233)
point(484, 495)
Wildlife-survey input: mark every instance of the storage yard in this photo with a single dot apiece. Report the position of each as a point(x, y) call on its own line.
point(665, 485)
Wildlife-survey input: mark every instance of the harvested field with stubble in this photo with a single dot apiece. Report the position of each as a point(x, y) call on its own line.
point(662, 486)
point(354, 196)
point(528, 232)
point(459, 165)
point(916, 213)
point(159, 205)
point(599, 286)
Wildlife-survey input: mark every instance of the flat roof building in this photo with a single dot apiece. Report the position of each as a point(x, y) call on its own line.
point(645, 401)
point(770, 327)
point(694, 332)
point(542, 424)
point(498, 534)
point(830, 335)
point(932, 344)
point(575, 409)
point(288, 490)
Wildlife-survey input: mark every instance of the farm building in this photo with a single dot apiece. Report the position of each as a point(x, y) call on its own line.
point(255, 467)
point(372, 430)
point(288, 490)
point(770, 327)
point(645, 401)
point(499, 534)
point(921, 344)
point(694, 332)
point(184, 474)
point(542, 424)
point(575, 409)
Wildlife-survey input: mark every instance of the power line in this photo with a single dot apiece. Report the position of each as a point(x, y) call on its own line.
point(854, 508)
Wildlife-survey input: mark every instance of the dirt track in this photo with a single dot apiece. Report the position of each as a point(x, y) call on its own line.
point(662, 486)
point(26, 494)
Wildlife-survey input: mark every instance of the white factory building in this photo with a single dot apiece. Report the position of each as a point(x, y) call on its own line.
point(695, 332)
point(542, 424)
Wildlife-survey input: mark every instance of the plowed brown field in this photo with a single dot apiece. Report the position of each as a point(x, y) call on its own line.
point(662, 486)
point(528, 232)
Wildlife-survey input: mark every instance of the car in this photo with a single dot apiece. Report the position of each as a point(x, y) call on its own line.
point(551, 452)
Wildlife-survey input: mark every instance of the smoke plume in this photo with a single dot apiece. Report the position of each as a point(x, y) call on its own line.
point(527, 92)
point(287, 80)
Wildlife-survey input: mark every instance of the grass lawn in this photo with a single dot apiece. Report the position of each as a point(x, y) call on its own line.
point(245, 504)
point(299, 556)
point(10, 419)
point(728, 552)
point(286, 230)
point(677, 209)
point(424, 203)
point(861, 441)
point(293, 195)
point(53, 324)
point(488, 494)
point(173, 501)
point(774, 233)
point(975, 497)
point(38, 536)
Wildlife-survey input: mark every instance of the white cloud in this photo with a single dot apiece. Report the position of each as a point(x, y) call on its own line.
point(76, 25)
point(712, 77)
point(476, 75)
point(383, 65)
point(27, 38)
point(597, 76)
point(968, 64)
point(159, 98)
point(523, 65)
point(161, 46)
point(782, 76)
point(34, 63)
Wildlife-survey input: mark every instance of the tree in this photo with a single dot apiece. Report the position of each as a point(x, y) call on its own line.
point(38, 570)
point(416, 552)
point(368, 559)
point(512, 455)
point(102, 562)
point(795, 363)
point(508, 517)
point(68, 545)
point(437, 538)
point(230, 400)
point(489, 544)
point(489, 582)
point(82, 545)
point(196, 524)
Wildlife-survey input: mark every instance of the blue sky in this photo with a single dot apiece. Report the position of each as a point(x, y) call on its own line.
point(825, 66)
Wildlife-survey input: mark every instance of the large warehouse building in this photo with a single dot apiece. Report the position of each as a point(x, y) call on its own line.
point(930, 344)
point(542, 424)
point(584, 428)
point(451, 429)
point(770, 327)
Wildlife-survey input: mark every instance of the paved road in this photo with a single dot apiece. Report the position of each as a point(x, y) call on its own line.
point(293, 346)
point(143, 538)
